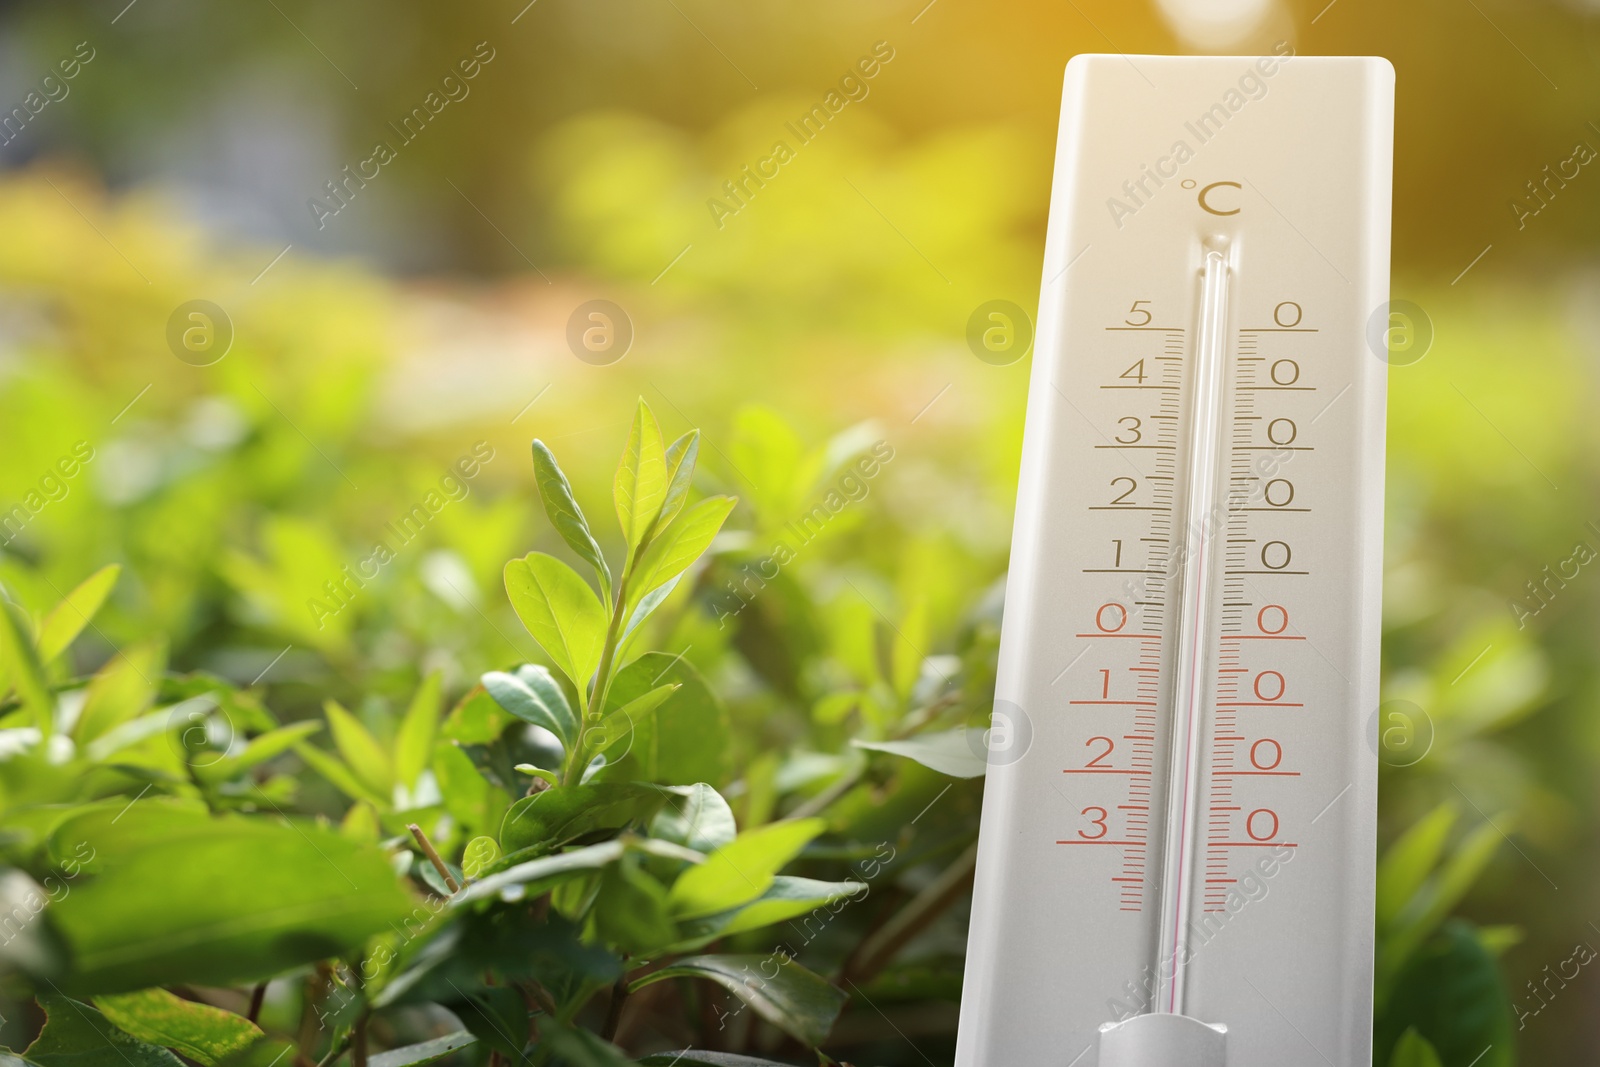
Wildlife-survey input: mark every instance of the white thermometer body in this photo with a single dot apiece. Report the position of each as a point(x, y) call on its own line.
point(1179, 868)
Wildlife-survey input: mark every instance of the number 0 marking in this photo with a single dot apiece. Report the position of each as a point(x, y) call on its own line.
point(1250, 824)
point(1259, 762)
point(1282, 619)
point(1121, 618)
point(1267, 549)
point(1269, 682)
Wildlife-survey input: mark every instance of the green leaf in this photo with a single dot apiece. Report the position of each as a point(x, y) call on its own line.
point(536, 876)
point(76, 1034)
point(1408, 862)
point(1413, 1050)
point(560, 611)
point(672, 551)
point(796, 1001)
point(689, 738)
point(423, 868)
point(630, 911)
point(1429, 907)
point(576, 1047)
point(1466, 864)
point(785, 899)
point(497, 1016)
point(546, 686)
point(697, 817)
point(261, 749)
point(681, 457)
point(1498, 940)
point(647, 605)
point(555, 816)
point(361, 823)
point(120, 690)
point(119, 827)
point(340, 776)
point(67, 619)
point(696, 1058)
point(256, 897)
point(565, 515)
point(199, 1031)
point(20, 666)
point(361, 751)
point(475, 720)
point(620, 726)
point(743, 870)
point(270, 1052)
point(549, 777)
point(1452, 994)
point(126, 735)
point(414, 743)
point(480, 854)
point(958, 753)
point(640, 486)
point(533, 695)
point(469, 797)
point(422, 1052)
point(906, 643)
point(653, 846)
point(768, 454)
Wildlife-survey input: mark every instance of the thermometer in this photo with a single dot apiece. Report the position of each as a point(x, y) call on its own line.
point(1176, 859)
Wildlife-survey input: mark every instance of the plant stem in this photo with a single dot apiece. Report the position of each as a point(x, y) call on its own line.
point(919, 718)
point(537, 997)
point(433, 857)
point(819, 803)
point(619, 995)
point(602, 675)
point(257, 995)
point(316, 984)
point(334, 1053)
point(877, 950)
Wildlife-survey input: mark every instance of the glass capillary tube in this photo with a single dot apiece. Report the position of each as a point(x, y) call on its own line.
point(1202, 520)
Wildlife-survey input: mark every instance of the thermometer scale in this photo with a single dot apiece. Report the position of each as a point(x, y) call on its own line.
point(1177, 868)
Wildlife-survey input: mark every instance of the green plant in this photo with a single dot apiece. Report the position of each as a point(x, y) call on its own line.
point(536, 860)
point(1438, 992)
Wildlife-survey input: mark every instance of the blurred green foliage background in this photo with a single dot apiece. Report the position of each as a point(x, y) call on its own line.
point(430, 314)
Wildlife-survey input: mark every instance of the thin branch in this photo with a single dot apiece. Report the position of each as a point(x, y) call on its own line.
point(335, 1052)
point(880, 947)
point(819, 803)
point(433, 857)
point(619, 996)
point(316, 985)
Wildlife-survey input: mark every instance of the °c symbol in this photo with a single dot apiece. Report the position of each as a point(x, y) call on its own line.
point(1215, 211)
